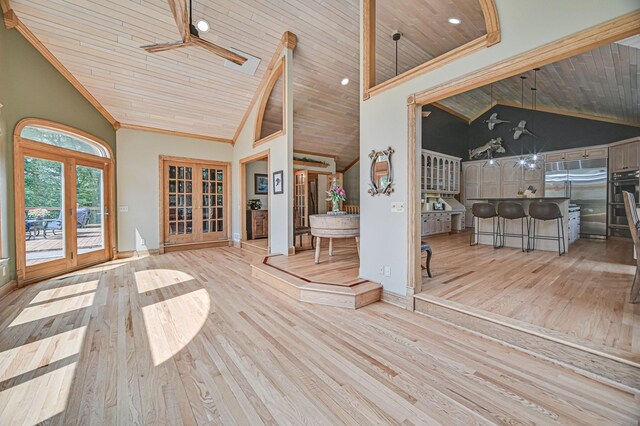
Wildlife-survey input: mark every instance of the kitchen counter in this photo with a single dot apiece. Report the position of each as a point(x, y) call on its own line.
point(519, 199)
point(543, 228)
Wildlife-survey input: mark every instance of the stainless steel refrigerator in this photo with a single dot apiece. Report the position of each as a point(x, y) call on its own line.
point(585, 183)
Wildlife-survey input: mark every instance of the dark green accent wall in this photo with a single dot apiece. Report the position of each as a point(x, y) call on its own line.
point(30, 87)
point(445, 133)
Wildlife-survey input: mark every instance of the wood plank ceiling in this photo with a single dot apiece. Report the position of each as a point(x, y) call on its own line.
point(189, 90)
point(604, 82)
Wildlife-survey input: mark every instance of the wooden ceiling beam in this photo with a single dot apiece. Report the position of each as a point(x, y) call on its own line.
point(289, 41)
point(35, 42)
point(174, 133)
point(575, 114)
point(450, 111)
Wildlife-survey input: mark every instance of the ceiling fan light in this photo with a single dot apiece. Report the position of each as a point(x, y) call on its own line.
point(202, 25)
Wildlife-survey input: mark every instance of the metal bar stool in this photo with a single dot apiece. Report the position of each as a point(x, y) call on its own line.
point(513, 211)
point(484, 211)
point(547, 211)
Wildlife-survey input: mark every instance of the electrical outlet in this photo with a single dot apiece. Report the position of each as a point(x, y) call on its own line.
point(381, 270)
point(397, 207)
point(236, 236)
point(387, 271)
point(124, 209)
point(142, 242)
point(4, 271)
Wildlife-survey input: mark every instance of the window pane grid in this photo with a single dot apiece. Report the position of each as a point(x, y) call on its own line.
point(180, 200)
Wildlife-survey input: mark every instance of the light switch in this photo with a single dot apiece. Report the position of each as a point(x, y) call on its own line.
point(124, 209)
point(397, 207)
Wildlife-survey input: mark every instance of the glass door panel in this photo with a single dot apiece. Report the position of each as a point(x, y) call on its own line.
point(44, 195)
point(90, 209)
point(180, 196)
point(213, 187)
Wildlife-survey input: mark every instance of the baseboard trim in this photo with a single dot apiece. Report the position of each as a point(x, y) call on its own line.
point(196, 246)
point(8, 288)
point(394, 299)
point(134, 253)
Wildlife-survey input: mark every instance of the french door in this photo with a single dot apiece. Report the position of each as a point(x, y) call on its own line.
point(63, 197)
point(194, 201)
point(301, 199)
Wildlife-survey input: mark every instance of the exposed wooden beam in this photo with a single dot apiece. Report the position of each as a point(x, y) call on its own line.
point(369, 53)
point(173, 133)
point(450, 111)
point(319, 154)
point(482, 111)
point(575, 44)
point(491, 21)
point(288, 40)
point(35, 42)
point(574, 114)
point(351, 164)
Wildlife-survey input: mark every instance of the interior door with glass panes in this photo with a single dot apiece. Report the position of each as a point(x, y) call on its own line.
point(179, 205)
point(195, 202)
point(212, 212)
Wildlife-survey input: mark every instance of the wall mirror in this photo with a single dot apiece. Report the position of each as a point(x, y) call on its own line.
point(381, 172)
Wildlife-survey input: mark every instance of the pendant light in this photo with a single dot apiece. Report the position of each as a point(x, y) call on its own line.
point(534, 159)
point(396, 37)
point(491, 162)
point(522, 159)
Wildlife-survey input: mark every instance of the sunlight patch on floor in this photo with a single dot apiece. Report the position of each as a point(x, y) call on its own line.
point(43, 352)
point(65, 291)
point(155, 279)
point(172, 323)
point(50, 309)
point(45, 395)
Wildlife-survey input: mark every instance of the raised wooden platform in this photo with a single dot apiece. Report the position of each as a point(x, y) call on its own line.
point(256, 246)
point(612, 366)
point(333, 282)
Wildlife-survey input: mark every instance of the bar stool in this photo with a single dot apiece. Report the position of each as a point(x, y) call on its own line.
point(484, 211)
point(513, 211)
point(547, 211)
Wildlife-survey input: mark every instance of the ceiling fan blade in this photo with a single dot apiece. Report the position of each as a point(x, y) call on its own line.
point(161, 47)
point(181, 15)
point(220, 51)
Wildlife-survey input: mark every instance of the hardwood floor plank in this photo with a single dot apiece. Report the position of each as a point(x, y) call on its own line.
point(191, 338)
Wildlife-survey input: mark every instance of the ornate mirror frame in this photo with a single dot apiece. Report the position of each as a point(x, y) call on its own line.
point(374, 156)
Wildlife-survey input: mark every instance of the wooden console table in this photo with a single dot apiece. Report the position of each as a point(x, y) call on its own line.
point(334, 226)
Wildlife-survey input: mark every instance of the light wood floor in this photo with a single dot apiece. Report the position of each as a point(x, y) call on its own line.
point(343, 268)
point(190, 338)
point(583, 294)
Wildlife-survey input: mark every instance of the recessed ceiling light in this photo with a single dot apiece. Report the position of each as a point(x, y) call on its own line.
point(202, 25)
point(344, 81)
point(454, 21)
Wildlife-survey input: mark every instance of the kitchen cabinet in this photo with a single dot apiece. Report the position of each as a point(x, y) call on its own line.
point(624, 157)
point(435, 223)
point(577, 154)
point(439, 173)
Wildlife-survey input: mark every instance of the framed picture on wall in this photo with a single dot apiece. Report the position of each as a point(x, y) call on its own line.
point(278, 186)
point(260, 184)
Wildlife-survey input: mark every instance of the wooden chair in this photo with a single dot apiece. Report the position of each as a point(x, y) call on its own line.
point(299, 231)
point(634, 227)
point(352, 209)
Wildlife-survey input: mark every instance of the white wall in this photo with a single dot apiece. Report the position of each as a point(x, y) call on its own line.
point(256, 167)
point(525, 25)
point(352, 184)
point(280, 158)
point(137, 157)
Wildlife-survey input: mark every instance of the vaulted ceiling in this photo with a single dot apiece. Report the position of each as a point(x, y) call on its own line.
point(603, 83)
point(189, 90)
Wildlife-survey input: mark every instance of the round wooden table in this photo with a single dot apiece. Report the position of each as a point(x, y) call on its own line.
point(334, 226)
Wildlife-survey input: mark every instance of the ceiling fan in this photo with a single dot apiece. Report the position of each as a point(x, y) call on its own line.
point(190, 35)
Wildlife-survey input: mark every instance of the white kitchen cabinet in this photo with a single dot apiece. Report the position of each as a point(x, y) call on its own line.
point(436, 223)
point(577, 154)
point(624, 157)
point(440, 173)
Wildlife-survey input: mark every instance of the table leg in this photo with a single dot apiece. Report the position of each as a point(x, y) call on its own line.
point(318, 249)
point(330, 246)
point(358, 245)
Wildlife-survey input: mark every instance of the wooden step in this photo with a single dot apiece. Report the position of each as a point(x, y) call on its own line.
point(352, 297)
point(609, 365)
point(254, 248)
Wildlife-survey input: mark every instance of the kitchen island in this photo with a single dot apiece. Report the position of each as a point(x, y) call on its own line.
point(546, 228)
